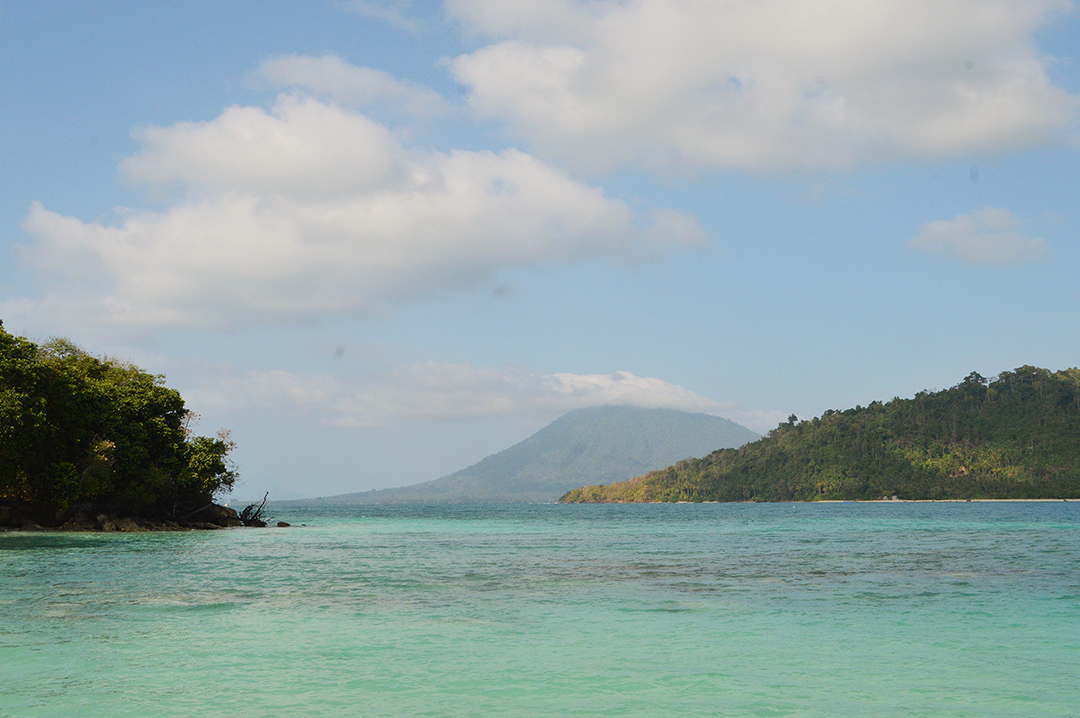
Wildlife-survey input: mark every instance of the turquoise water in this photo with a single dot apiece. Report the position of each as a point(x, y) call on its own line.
point(963, 609)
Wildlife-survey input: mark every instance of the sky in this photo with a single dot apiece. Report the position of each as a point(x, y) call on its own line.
point(378, 240)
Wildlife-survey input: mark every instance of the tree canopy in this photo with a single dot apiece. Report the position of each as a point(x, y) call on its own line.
point(76, 429)
point(1016, 436)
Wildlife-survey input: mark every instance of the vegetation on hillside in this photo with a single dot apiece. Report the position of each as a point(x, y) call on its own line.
point(1016, 436)
point(76, 429)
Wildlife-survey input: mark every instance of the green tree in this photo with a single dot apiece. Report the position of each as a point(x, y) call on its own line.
point(76, 428)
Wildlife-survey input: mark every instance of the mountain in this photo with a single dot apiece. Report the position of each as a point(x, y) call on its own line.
point(1014, 437)
point(599, 445)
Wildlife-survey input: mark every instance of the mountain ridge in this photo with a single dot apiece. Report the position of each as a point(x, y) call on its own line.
point(1016, 436)
point(609, 443)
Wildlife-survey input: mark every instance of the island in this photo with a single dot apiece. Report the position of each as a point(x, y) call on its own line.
point(89, 443)
point(1016, 436)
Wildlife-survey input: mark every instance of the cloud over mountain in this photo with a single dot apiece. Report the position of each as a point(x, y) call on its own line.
point(433, 390)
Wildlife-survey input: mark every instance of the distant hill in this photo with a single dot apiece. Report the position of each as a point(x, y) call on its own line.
point(599, 445)
point(1014, 437)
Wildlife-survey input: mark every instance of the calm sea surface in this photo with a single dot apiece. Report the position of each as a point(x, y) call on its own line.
point(965, 609)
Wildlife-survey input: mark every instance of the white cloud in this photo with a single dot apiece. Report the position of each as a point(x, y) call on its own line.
point(771, 83)
point(312, 209)
point(349, 84)
point(302, 148)
point(453, 391)
point(986, 236)
point(390, 11)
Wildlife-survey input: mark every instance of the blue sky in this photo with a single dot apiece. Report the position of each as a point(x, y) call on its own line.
point(381, 240)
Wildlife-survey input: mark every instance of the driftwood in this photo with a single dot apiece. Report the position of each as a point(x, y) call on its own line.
point(252, 515)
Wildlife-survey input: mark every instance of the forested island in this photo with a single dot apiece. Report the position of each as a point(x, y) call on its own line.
point(1016, 436)
point(96, 443)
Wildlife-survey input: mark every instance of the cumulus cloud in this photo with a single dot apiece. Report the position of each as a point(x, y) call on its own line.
point(349, 84)
point(766, 84)
point(312, 209)
point(986, 236)
point(453, 391)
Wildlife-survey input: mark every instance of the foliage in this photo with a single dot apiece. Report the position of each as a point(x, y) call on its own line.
point(1016, 436)
point(75, 429)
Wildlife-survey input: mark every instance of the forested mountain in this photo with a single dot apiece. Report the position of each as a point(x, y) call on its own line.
point(76, 429)
point(1016, 436)
point(603, 444)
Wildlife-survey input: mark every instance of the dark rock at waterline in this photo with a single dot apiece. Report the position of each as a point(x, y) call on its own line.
point(283, 524)
point(128, 525)
point(221, 515)
point(21, 516)
point(79, 523)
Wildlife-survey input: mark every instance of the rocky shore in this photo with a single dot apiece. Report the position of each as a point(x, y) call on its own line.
point(93, 517)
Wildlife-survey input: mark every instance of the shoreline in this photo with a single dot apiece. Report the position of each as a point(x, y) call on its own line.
point(931, 501)
point(848, 501)
point(839, 501)
point(90, 518)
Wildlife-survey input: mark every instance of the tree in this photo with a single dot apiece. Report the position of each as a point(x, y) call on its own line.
point(76, 428)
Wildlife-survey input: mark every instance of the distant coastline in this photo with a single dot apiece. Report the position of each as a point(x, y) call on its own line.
point(842, 501)
point(862, 501)
point(934, 501)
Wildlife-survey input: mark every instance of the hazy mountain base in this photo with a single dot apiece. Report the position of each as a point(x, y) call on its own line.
point(600, 445)
point(1015, 437)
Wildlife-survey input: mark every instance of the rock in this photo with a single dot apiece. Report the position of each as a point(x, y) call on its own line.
point(283, 524)
point(221, 516)
point(126, 524)
point(77, 524)
point(218, 511)
point(106, 517)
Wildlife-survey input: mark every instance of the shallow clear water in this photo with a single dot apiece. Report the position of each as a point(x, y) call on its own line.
point(966, 609)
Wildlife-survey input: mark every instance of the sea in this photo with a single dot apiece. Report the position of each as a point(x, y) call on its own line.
point(830, 609)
